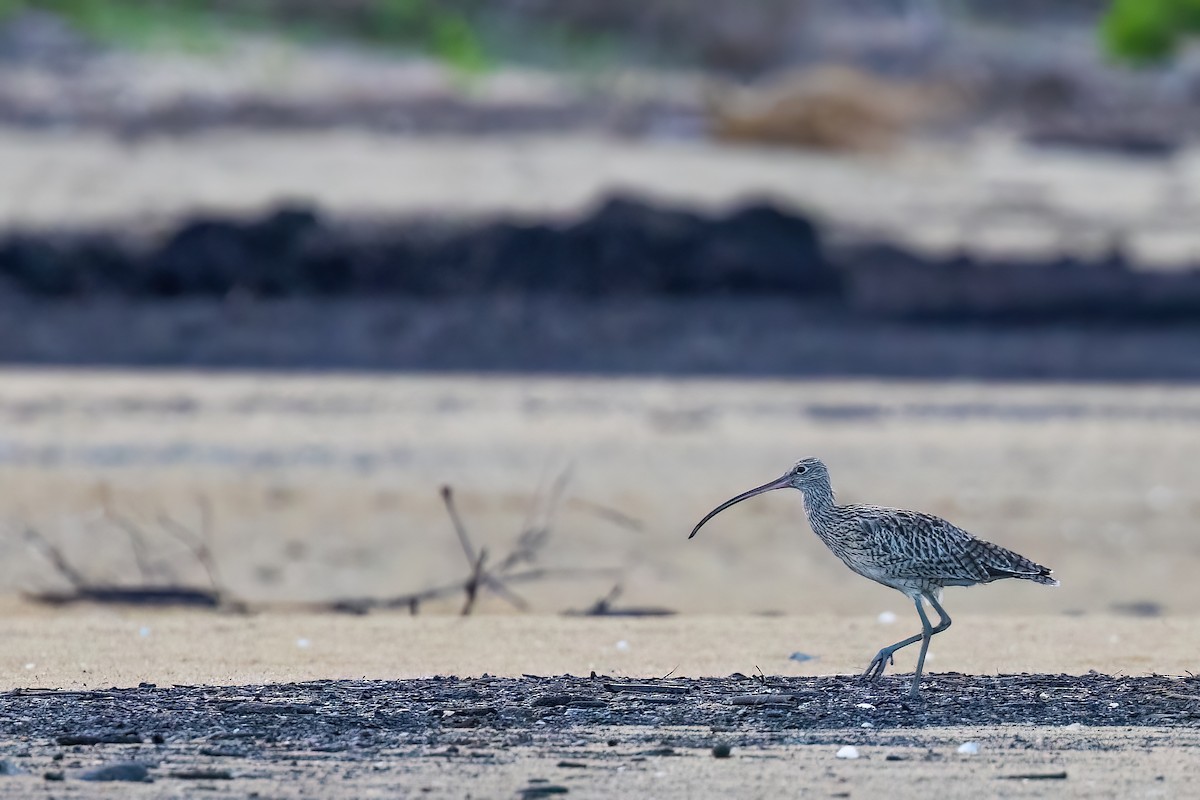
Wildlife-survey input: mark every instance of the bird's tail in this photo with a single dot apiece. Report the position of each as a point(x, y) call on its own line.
point(1044, 576)
point(1004, 563)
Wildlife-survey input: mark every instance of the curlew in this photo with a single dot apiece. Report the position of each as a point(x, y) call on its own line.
point(917, 554)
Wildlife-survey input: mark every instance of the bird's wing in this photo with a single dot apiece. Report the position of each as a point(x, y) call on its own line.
point(911, 544)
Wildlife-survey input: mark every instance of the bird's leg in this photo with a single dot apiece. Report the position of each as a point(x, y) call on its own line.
point(887, 655)
point(943, 623)
point(927, 632)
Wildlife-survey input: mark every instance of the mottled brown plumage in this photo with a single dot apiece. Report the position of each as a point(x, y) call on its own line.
point(917, 554)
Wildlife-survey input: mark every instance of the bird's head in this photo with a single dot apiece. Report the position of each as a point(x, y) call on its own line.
point(804, 473)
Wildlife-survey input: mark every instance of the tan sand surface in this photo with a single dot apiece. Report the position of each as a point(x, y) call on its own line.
point(1077, 763)
point(328, 486)
point(99, 647)
point(1097, 762)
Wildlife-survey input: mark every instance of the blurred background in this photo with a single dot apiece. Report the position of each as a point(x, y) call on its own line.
point(273, 272)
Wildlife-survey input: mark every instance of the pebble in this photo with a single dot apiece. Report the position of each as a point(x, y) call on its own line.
point(865, 705)
point(969, 748)
point(623, 646)
point(848, 751)
point(798, 656)
point(886, 618)
point(721, 750)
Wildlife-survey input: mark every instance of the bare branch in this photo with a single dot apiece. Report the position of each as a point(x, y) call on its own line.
point(137, 540)
point(460, 530)
point(413, 600)
point(199, 545)
point(497, 579)
point(528, 544)
point(542, 573)
point(531, 514)
point(557, 491)
point(472, 585)
point(55, 556)
point(206, 535)
point(148, 592)
point(508, 595)
point(534, 536)
point(605, 604)
point(199, 550)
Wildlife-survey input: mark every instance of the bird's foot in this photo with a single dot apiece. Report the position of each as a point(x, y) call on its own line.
point(878, 664)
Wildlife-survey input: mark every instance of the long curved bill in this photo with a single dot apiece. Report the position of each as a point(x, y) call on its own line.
point(778, 483)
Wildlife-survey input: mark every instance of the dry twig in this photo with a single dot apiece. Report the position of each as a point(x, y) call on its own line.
point(146, 593)
point(497, 579)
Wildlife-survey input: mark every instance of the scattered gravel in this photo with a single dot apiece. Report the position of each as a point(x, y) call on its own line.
point(373, 714)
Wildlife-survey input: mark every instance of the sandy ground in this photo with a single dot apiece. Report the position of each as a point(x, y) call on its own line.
point(94, 648)
point(987, 194)
point(1027, 761)
point(327, 486)
point(1116, 763)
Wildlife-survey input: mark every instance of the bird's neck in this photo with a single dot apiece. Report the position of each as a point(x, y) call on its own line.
point(818, 506)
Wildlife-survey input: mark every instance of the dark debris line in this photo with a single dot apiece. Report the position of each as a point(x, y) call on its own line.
point(623, 248)
point(368, 716)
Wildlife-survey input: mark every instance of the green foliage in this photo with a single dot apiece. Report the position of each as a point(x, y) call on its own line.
point(424, 25)
point(1145, 31)
point(456, 42)
point(178, 24)
point(447, 33)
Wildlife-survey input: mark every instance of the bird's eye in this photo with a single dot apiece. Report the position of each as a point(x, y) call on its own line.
point(800, 470)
